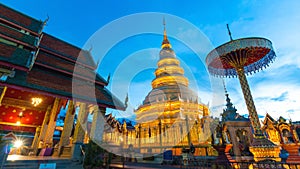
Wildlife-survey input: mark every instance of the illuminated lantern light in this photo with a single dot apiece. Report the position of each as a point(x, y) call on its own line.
point(36, 101)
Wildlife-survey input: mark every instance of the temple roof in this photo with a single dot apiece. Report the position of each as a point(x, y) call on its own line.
point(41, 63)
point(15, 57)
point(230, 112)
point(53, 83)
point(268, 118)
point(18, 18)
point(11, 33)
point(67, 51)
point(19, 38)
point(66, 58)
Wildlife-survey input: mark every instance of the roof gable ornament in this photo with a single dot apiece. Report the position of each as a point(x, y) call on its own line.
point(44, 24)
point(126, 101)
point(108, 78)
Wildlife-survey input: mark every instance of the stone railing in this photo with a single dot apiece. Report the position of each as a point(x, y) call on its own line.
point(214, 164)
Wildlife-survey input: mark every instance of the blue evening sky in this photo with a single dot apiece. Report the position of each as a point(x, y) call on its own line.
point(125, 38)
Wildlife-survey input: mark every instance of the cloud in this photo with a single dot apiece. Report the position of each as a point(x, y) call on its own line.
point(282, 97)
point(259, 116)
point(277, 99)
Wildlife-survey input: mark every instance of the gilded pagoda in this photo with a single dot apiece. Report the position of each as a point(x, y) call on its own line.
point(170, 116)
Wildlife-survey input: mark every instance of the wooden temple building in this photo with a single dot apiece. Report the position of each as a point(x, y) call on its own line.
point(39, 75)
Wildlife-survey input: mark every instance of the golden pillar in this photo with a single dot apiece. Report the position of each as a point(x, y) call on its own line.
point(97, 128)
point(79, 132)
point(249, 102)
point(45, 124)
point(81, 124)
point(52, 123)
point(68, 125)
point(35, 142)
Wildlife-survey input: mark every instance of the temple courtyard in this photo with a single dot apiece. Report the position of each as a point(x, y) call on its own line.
point(56, 108)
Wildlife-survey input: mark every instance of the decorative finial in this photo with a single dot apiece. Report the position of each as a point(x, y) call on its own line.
point(229, 32)
point(165, 31)
point(290, 119)
point(98, 62)
point(108, 78)
point(126, 100)
point(165, 43)
point(45, 22)
point(223, 81)
point(43, 25)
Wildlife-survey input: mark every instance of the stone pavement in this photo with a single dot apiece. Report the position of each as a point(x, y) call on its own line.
point(132, 165)
point(34, 162)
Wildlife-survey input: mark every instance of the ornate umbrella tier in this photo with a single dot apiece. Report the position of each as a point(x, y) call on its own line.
point(237, 58)
point(251, 54)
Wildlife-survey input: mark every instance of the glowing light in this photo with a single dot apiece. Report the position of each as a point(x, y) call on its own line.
point(18, 143)
point(36, 101)
point(21, 114)
point(18, 123)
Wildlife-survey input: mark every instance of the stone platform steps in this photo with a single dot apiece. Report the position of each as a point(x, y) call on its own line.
point(35, 163)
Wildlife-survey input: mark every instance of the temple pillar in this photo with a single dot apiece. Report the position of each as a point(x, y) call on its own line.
point(188, 130)
point(139, 134)
point(124, 134)
point(295, 135)
point(66, 133)
point(236, 150)
point(52, 123)
point(160, 135)
point(2, 92)
point(79, 132)
point(86, 138)
point(35, 142)
point(41, 137)
point(97, 128)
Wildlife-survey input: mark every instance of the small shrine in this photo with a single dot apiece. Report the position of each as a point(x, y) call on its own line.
point(285, 134)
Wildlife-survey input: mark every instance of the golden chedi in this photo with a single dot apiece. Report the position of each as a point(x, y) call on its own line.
point(171, 117)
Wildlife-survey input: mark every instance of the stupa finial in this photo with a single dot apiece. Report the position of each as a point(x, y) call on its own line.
point(165, 43)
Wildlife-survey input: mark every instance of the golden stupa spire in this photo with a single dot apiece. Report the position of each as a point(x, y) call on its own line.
point(165, 43)
point(168, 72)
